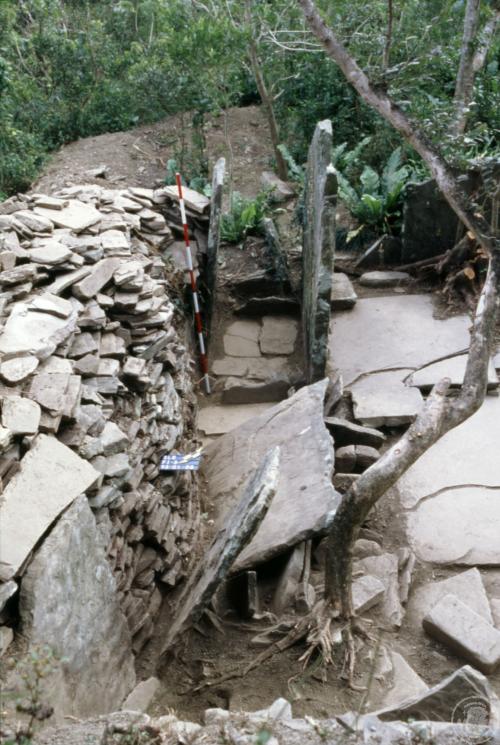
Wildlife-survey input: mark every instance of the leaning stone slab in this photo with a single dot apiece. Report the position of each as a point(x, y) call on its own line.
point(447, 701)
point(238, 528)
point(464, 632)
point(306, 502)
point(343, 293)
point(67, 280)
point(77, 216)
point(367, 591)
point(213, 238)
point(318, 250)
point(79, 619)
point(28, 332)
point(140, 698)
point(50, 478)
point(385, 567)
point(101, 274)
point(349, 433)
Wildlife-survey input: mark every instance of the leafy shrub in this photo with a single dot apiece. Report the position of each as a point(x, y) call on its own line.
point(244, 217)
point(375, 199)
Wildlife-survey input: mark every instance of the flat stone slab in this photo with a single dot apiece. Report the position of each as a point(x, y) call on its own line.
point(236, 531)
point(343, 293)
point(384, 279)
point(217, 420)
point(50, 478)
point(253, 368)
point(457, 526)
point(383, 333)
point(80, 619)
point(76, 216)
point(20, 415)
point(468, 634)
point(278, 335)
point(382, 399)
point(29, 332)
point(349, 433)
point(453, 368)
point(241, 339)
point(468, 586)
point(306, 501)
point(467, 455)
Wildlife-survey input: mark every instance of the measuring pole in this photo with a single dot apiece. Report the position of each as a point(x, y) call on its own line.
point(194, 289)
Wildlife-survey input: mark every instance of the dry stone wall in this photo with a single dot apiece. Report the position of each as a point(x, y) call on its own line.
point(95, 386)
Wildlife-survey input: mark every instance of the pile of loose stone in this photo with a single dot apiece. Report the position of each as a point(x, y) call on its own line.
point(95, 387)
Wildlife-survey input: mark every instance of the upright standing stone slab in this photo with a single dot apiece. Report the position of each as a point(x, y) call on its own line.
point(79, 618)
point(213, 239)
point(318, 251)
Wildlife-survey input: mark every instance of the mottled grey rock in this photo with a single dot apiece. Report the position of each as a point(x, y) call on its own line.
point(80, 620)
point(306, 501)
point(238, 391)
point(457, 526)
point(382, 399)
point(384, 279)
point(464, 632)
point(349, 433)
point(140, 698)
point(50, 478)
point(99, 277)
point(280, 190)
point(318, 250)
point(217, 420)
point(77, 216)
point(468, 586)
point(35, 221)
point(18, 369)
point(239, 527)
point(241, 339)
point(367, 591)
point(48, 303)
point(20, 415)
point(29, 332)
point(113, 439)
point(51, 253)
point(6, 638)
point(278, 335)
point(385, 567)
point(343, 294)
point(452, 368)
point(287, 588)
point(382, 333)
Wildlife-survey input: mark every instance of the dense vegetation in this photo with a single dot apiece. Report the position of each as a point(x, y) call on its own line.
point(73, 68)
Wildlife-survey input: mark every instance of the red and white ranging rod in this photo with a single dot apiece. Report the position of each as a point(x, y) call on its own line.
point(194, 289)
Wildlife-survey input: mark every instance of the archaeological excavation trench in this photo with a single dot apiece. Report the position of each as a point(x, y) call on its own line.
point(145, 589)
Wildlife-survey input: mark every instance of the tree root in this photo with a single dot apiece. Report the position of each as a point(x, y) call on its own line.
point(323, 631)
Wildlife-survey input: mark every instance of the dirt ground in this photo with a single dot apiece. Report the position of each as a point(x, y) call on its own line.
point(139, 157)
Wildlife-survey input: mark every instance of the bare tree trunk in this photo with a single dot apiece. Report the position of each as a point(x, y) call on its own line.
point(487, 36)
point(465, 76)
point(390, 111)
point(388, 36)
point(268, 103)
point(440, 413)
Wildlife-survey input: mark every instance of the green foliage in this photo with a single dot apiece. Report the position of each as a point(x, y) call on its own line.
point(295, 172)
point(374, 199)
point(244, 217)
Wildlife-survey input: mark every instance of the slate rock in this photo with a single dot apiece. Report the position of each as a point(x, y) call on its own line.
point(384, 279)
point(28, 332)
point(99, 277)
point(278, 335)
point(349, 433)
point(306, 501)
point(217, 420)
point(241, 339)
point(18, 369)
point(385, 567)
point(453, 368)
point(464, 632)
point(50, 478)
point(140, 698)
point(343, 295)
point(367, 592)
point(238, 391)
point(20, 415)
point(382, 399)
point(77, 216)
point(80, 620)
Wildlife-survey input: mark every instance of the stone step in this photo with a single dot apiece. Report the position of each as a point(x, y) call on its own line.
point(343, 295)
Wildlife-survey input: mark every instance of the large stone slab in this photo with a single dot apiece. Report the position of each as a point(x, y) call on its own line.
point(343, 294)
point(76, 216)
point(457, 526)
point(382, 333)
point(238, 528)
point(217, 420)
point(50, 478)
point(452, 368)
point(29, 332)
point(318, 250)
point(467, 455)
point(241, 339)
point(382, 399)
point(306, 501)
point(278, 335)
point(468, 586)
point(79, 619)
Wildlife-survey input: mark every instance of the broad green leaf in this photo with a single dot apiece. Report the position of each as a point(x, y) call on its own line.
point(370, 180)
